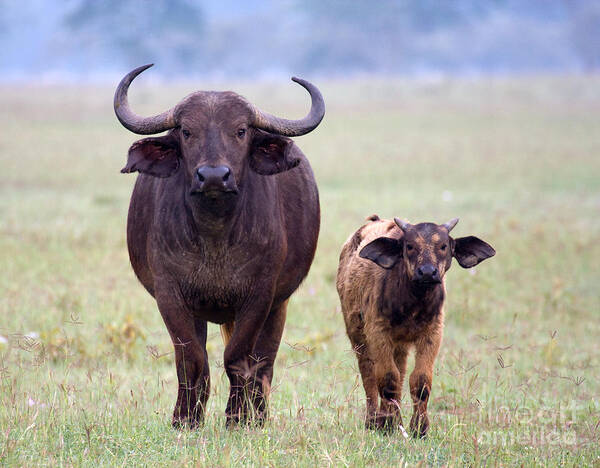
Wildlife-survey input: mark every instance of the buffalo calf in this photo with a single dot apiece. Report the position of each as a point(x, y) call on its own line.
point(391, 286)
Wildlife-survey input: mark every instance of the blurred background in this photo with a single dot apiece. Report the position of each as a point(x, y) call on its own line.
point(56, 40)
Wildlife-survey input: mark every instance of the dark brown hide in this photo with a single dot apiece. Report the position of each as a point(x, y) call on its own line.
point(231, 256)
point(391, 286)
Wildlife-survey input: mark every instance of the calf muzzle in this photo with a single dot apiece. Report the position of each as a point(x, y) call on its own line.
point(427, 274)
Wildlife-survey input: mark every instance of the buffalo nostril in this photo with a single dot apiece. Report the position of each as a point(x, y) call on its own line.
point(419, 271)
point(215, 178)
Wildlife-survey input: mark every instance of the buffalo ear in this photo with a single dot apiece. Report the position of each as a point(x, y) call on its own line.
point(470, 250)
point(272, 154)
point(157, 156)
point(384, 251)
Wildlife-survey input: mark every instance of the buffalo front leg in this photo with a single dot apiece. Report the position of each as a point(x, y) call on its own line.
point(241, 364)
point(421, 379)
point(189, 340)
point(264, 354)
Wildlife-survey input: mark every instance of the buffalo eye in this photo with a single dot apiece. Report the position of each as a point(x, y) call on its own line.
point(241, 132)
point(409, 247)
point(186, 134)
point(443, 247)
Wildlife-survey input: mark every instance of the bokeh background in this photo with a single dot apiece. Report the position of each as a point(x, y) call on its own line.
point(92, 40)
point(486, 110)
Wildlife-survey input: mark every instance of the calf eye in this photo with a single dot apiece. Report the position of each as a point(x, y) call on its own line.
point(186, 134)
point(241, 132)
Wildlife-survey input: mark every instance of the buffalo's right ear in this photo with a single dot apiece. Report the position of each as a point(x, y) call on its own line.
point(384, 251)
point(156, 156)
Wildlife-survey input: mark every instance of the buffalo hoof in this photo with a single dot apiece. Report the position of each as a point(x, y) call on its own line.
point(185, 424)
point(189, 422)
point(244, 420)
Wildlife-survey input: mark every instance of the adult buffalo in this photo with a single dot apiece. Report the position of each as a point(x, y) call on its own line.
point(222, 227)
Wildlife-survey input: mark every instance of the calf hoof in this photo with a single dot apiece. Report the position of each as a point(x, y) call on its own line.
point(387, 423)
point(419, 425)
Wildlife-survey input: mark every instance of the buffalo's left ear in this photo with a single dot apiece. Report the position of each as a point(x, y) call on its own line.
point(384, 251)
point(272, 154)
point(156, 156)
point(470, 250)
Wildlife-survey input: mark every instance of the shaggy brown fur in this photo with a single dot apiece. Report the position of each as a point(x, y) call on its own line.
point(391, 286)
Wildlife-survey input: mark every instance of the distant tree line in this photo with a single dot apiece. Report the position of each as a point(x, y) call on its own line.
point(337, 37)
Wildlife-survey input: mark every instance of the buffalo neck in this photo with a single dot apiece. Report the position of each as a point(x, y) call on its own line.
point(227, 223)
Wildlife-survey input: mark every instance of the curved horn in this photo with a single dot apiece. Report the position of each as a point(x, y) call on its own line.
point(286, 127)
point(450, 224)
point(130, 120)
point(404, 225)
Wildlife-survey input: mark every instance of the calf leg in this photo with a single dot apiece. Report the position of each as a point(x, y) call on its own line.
point(190, 360)
point(365, 365)
point(265, 352)
point(391, 391)
point(354, 328)
point(388, 379)
point(420, 381)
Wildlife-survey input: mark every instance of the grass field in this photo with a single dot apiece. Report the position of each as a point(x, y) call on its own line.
point(86, 365)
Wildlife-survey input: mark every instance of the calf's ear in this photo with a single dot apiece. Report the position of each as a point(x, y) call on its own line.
point(272, 154)
point(384, 251)
point(157, 156)
point(470, 250)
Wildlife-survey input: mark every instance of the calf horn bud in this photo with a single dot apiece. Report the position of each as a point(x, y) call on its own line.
point(404, 225)
point(450, 224)
point(285, 127)
point(130, 120)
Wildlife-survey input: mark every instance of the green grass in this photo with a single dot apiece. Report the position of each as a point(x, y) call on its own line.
point(516, 381)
